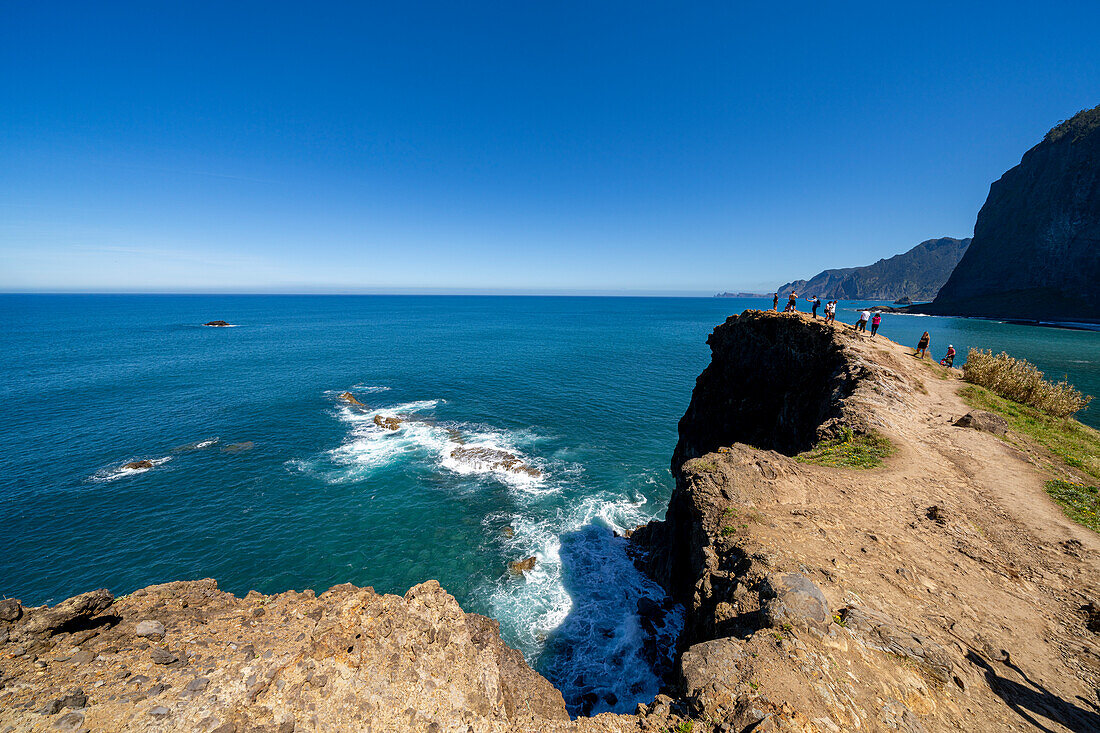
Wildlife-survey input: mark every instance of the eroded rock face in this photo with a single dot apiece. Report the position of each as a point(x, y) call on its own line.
point(1034, 253)
point(775, 381)
point(349, 659)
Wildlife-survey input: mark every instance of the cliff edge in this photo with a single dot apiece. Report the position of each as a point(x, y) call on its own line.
point(941, 590)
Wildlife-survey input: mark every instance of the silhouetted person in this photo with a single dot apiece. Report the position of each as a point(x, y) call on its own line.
point(922, 345)
point(775, 302)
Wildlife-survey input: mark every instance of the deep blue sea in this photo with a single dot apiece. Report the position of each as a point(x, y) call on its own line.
point(265, 480)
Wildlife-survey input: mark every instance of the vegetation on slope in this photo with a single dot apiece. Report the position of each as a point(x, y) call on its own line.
point(1079, 501)
point(1021, 381)
point(849, 451)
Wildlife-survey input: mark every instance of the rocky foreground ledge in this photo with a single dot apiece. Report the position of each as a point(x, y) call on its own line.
point(940, 591)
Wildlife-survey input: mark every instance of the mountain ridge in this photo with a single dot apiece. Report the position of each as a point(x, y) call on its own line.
point(917, 274)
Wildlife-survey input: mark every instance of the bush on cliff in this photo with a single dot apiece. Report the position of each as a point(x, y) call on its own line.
point(1021, 381)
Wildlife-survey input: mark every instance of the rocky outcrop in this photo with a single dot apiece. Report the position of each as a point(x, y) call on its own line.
point(139, 465)
point(917, 274)
point(982, 420)
point(775, 381)
point(187, 656)
point(1036, 249)
point(349, 398)
point(387, 422)
point(219, 324)
point(493, 459)
point(831, 599)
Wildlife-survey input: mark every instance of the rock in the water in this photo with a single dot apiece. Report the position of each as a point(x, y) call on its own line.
point(220, 324)
point(493, 459)
point(136, 465)
point(519, 567)
point(10, 609)
point(70, 611)
point(794, 599)
point(350, 399)
point(987, 422)
point(387, 423)
point(150, 629)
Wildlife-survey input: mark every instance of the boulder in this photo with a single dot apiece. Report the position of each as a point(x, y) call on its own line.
point(519, 567)
point(387, 423)
point(150, 629)
point(160, 655)
point(794, 599)
point(68, 612)
point(350, 399)
point(10, 609)
point(987, 422)
point(137, 465)
point(707, 669)
point(220, 324)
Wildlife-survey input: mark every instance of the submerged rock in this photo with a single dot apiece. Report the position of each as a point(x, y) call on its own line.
point(136, 465)
point(493, 459)
point(387, 423)
point(526, 565)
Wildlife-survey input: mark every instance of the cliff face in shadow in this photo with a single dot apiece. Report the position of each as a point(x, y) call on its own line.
point(917, 274)
point(1036, 248)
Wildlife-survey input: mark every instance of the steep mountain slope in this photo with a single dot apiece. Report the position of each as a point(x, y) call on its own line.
point(917, 274)
point(1035, 253)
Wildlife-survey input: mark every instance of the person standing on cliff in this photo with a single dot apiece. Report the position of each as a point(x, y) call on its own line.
point(861, 324)
point(922, 345)
point(816, 304)
point(775, 302)
point(875, 321)
point(792, 303)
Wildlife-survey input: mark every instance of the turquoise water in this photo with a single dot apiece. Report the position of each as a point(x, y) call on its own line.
point(586, 390)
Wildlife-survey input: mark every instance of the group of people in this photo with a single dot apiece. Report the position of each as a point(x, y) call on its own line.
point(861, 325)
point(792, 306)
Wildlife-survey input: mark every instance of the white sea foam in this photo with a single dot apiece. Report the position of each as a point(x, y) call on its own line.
point(117, 472)
point(370, 388)
point(576, 614)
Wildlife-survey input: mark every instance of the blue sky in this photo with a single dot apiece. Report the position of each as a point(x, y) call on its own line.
point(546, 147)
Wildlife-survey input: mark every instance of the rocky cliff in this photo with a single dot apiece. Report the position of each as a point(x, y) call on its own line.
point(917, 274)
point(1036, 248)
point(940, 591)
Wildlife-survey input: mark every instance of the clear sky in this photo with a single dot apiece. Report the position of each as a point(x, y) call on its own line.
point(616, 147)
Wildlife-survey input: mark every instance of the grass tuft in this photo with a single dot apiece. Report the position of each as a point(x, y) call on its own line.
point(1080, 502)
point(849, 451)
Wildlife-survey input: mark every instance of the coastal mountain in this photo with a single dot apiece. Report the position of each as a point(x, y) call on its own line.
point(1036, 250)
point(917, 274)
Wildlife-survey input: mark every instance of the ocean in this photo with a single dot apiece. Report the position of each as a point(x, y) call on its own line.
point(265, 479)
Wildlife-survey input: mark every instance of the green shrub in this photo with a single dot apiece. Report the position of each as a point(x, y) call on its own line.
point(849, 451)
point(1021, 381)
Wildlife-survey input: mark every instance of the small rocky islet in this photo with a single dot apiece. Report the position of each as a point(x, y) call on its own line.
point(938, 591)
